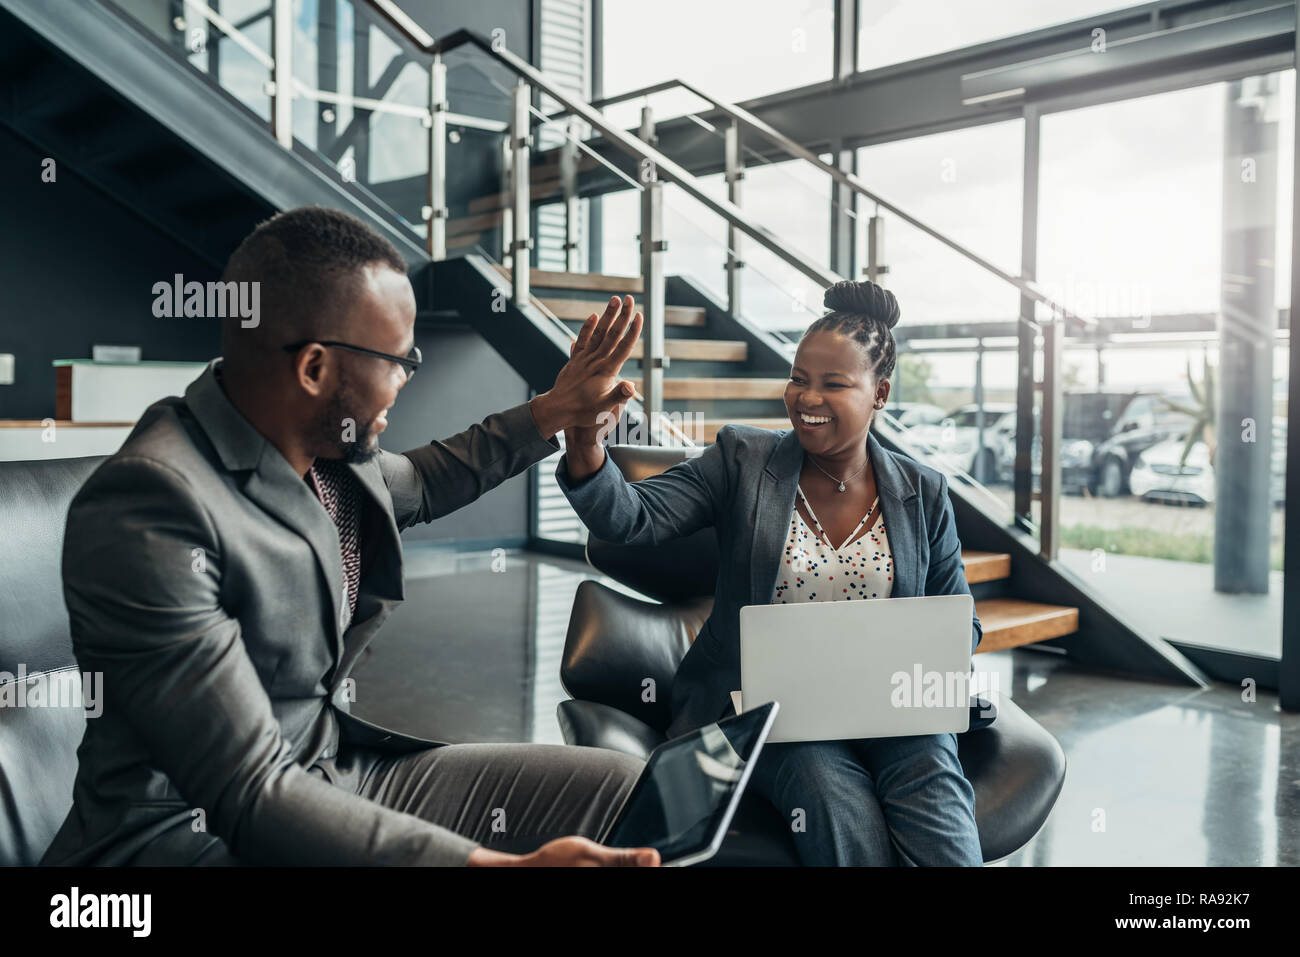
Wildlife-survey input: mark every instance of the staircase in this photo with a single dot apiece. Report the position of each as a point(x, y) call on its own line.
point(710, 380)
point(709, 376)
point(1010, 622)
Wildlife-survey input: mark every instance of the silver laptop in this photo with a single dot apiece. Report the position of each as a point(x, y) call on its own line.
point(859, 669)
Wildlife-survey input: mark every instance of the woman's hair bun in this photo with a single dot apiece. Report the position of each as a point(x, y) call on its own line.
point(864, 298)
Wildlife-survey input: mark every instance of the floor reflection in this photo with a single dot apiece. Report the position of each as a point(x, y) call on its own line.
point(1158, 774)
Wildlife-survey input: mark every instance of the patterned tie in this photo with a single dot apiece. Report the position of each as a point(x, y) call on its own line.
point(336, 488)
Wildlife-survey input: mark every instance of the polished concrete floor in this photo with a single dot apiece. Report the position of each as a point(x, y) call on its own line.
point(1157, 774)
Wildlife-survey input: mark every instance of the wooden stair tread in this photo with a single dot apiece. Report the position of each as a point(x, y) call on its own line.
point(478, 223)
point(737, 388)
point(985, 566)
point(699, 350)
point(1010, 622)
point(580, 309)
point(591, 281)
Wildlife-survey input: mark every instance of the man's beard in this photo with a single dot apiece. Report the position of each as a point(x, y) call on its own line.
point(333, 426)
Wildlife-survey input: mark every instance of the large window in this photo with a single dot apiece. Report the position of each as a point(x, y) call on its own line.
point(1168, 219)
point(732, 50)
point(895, 31)
point(967, 185)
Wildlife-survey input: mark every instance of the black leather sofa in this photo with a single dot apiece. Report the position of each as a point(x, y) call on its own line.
point(38, 745)
point(615, 641)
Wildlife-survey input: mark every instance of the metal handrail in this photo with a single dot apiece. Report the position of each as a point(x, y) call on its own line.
point(640, 150)
point(849, 180)
point(590, 113)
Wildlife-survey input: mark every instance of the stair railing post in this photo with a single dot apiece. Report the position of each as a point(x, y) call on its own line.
point(437, 229)
point(507, 215)
point(1050, 503)
point(653, 245)
point(282, 72)
point(876, 268)
point(521, 151)
point(569, 183)
point(735, 172)
point(653, 361)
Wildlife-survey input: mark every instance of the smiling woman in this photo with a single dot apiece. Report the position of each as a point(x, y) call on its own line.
point(890, 800)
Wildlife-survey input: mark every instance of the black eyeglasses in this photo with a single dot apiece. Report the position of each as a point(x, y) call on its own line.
point(409, 362)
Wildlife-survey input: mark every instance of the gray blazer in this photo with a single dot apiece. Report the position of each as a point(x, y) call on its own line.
point(744, 486)
point(203, 579)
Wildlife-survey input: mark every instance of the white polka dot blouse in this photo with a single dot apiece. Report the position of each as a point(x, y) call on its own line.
point(813, 570)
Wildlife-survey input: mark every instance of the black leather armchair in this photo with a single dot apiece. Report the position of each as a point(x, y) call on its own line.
point(38, 745)
point(615, 642)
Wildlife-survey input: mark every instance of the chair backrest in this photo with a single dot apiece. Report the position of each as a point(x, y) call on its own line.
point(38, 740)
point(679, 570)
point(623, 652)
point(617, 643)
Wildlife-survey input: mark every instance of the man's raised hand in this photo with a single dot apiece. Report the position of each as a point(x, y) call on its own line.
point(588, 393)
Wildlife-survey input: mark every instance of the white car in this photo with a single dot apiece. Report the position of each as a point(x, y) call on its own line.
point(1156, 473)
point(912, 414)
point(955, 438)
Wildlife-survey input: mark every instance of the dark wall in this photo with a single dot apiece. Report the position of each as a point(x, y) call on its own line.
point(461, 381)
point(77, 269)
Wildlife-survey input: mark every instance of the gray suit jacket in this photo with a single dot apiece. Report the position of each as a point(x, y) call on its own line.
point(203, 579)
point(744, 486)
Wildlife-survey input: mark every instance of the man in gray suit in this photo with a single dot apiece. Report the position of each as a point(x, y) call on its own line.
point(226, 567)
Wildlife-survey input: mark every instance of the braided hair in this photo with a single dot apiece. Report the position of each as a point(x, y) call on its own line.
point(863, 312)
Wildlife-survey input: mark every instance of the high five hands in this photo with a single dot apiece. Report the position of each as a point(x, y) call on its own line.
point(588, 397)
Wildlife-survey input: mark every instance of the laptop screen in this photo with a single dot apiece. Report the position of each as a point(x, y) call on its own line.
point(686, 789)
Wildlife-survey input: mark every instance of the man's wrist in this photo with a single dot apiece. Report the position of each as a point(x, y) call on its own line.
point(549, 416)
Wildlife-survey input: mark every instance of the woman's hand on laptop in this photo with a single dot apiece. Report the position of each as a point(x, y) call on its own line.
point(588, 395)
point(568, 852)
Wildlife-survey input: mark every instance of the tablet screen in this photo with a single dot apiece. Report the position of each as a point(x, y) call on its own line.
point(686, 789)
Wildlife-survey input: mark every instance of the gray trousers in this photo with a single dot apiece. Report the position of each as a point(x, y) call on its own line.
point(508, 797)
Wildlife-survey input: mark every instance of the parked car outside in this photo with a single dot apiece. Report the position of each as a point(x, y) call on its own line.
point(956, 437)
point(1145, 422)
point(1088, 418)
point(1157, 475)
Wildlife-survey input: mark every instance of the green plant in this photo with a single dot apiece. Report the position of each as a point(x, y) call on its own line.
point(1203, 411)
point(912, 377)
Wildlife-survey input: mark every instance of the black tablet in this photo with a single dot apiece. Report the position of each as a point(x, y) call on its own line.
point(690, 788)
